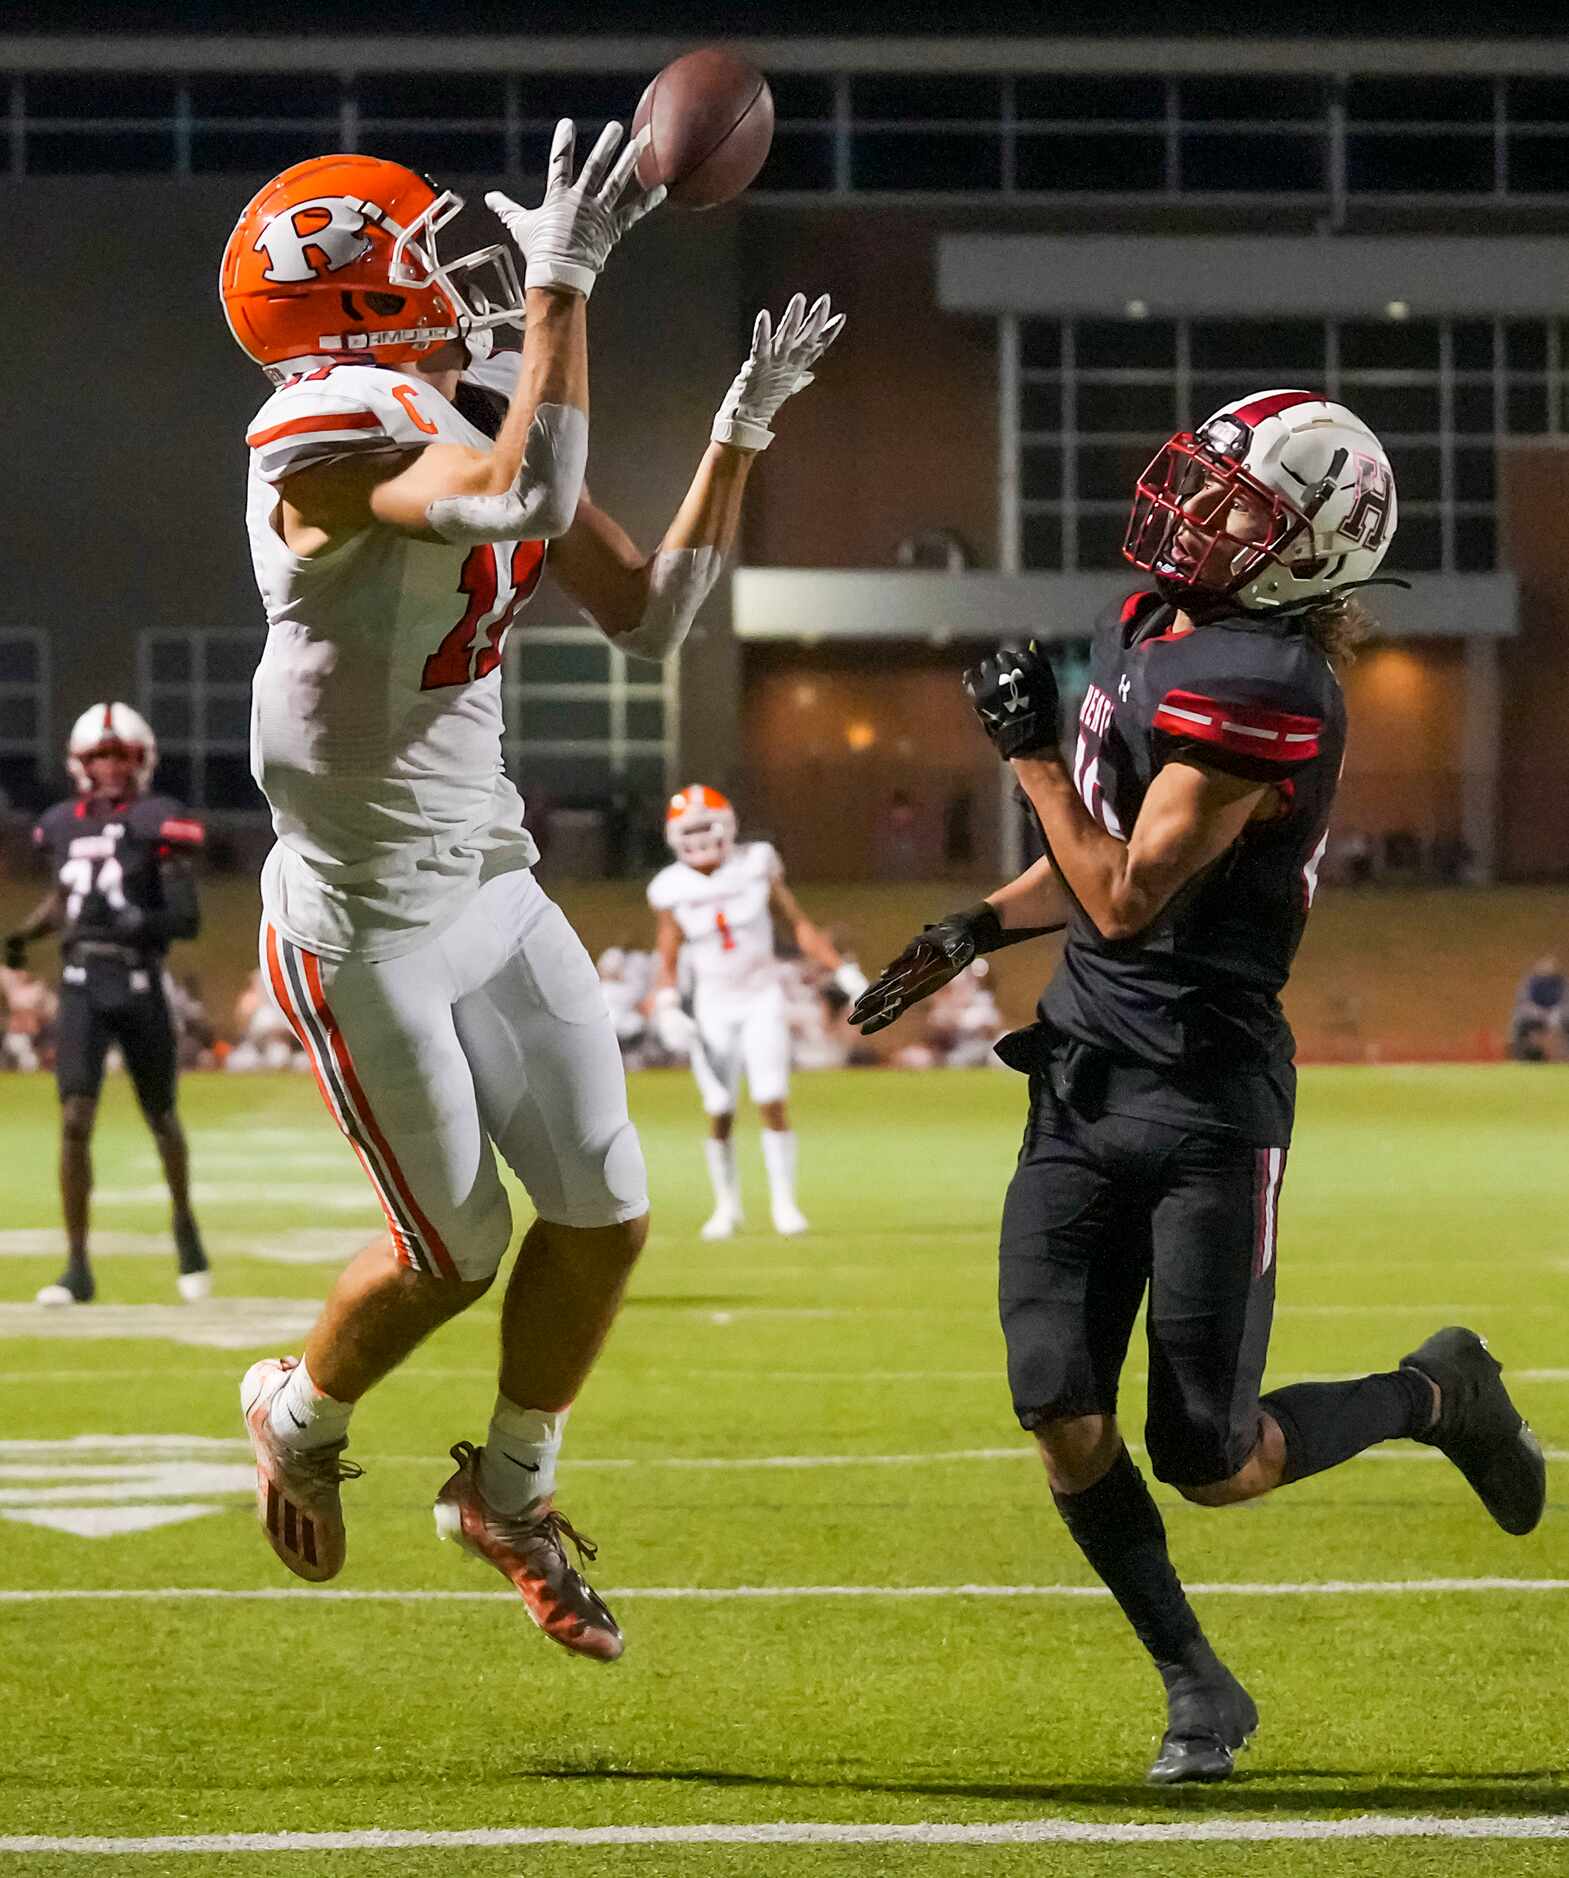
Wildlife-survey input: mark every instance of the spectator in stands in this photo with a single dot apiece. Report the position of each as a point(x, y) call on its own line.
point(266, 1038)
point(1537, 1024)
point(1353, 858)
point(26, 1042)
point(626, 976)
point(965, 1022)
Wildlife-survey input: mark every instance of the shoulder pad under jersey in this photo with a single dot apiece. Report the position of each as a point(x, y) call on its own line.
point(338, 411)
point(1252, 703)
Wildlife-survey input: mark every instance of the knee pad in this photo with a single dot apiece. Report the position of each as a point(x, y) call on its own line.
point(1191, 1451)
point(626, 1178)
point(78, 1129)
point(478, 1251)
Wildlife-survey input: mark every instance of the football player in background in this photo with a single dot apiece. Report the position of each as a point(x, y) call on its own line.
point(449, 1010)
point(1183, 843)
point(716, 905)
point(123, 890)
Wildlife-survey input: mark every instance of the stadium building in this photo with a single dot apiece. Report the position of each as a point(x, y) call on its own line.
point(1052, 253)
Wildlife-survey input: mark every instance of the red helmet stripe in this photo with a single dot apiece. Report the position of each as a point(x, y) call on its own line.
point(1260, 408)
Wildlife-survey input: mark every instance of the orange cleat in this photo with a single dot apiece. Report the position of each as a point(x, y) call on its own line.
point(297, 1498)
point(526, 1548)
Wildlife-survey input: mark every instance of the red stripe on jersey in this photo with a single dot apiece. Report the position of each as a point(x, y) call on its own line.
point(301, 426)
point(1130, 606)
point(1244, 729)
point(1260, 408)
point(188, 834)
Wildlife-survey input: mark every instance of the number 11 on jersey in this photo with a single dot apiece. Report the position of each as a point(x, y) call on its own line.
point(493, 604)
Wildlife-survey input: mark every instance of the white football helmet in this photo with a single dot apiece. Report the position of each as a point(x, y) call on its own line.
point(1276, 500)
point(700, 826)
point(104, 727)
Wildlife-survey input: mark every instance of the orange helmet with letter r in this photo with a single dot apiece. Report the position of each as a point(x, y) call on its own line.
point(700, 826)
point(336, 260)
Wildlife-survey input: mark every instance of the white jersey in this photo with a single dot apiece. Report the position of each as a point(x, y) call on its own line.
point(376, 709)
point(724, 919)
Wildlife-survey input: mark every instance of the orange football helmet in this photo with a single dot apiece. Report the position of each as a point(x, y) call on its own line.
point(336, 260)
point(700, 826)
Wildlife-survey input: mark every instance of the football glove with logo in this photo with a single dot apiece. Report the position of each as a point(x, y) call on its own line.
point(934, 957)
point(1014, 694)
point(567, 240)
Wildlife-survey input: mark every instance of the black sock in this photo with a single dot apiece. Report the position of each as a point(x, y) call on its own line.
point(1325, 1423)
point(1118, 1528)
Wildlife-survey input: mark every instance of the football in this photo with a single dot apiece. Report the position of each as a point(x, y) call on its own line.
point(711, 120)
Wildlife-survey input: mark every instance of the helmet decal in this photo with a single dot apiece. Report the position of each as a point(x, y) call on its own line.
point(315, 237)
point(338, 258)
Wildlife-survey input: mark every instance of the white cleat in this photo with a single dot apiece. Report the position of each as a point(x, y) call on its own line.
point(789, 1221)
point(297, 1498)
point(721, 1224)
point(53, 1297)
point(195, 1287)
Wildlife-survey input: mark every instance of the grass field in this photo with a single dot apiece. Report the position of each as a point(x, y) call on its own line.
point(822, 1421)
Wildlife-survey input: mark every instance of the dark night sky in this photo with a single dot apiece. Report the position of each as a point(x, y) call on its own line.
point(1094, 18)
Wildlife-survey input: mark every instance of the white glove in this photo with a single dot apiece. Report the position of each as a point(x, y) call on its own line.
point(779, 364)
point(851, 980)
point(676, 1029)
point(567, 239)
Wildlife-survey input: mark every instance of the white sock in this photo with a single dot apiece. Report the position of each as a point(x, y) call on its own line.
point(779, 1159)
point(721, 1171)
point(303, 1417)
point(519, 1462)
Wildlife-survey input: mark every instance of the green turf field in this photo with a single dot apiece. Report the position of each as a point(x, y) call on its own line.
point(812, 1419)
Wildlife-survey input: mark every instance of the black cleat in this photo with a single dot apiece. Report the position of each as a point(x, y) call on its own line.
point(1209, 1718)
point(1480, 1429)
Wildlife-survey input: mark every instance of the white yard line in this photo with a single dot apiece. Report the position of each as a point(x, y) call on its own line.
point(741, 1594)
point(82, 1445)
point(1002, 1832)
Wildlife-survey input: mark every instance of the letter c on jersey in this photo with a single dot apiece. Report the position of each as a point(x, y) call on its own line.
point(405, 396)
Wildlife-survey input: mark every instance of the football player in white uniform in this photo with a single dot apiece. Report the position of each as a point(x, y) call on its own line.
point(447, 1006)
point(716, 905)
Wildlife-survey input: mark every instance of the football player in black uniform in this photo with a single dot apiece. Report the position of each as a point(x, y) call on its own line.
point(1183, 839)
point(123, 890)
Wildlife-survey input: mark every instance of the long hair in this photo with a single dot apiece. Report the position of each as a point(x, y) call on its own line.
point(1339, 627)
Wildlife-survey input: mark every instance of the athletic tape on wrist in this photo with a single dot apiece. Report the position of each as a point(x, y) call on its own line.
point(541, 503)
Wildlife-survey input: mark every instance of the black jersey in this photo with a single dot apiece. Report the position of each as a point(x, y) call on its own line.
point(1196, 998)
point(109, 857)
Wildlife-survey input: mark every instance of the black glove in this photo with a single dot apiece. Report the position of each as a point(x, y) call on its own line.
point(15, 952)
point(925, 965)
point(1014, 694)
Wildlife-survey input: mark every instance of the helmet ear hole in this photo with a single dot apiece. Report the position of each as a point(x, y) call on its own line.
point(385, 304)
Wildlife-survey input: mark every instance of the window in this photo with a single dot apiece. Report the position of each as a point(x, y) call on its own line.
point(196, 694)
point(25, 766)
point(585, 724)
point(1096, 397)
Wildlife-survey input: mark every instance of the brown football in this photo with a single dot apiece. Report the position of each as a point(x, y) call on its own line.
point(711, 116)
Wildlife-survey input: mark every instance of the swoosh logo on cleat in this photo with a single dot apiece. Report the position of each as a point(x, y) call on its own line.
point(529, 1467)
